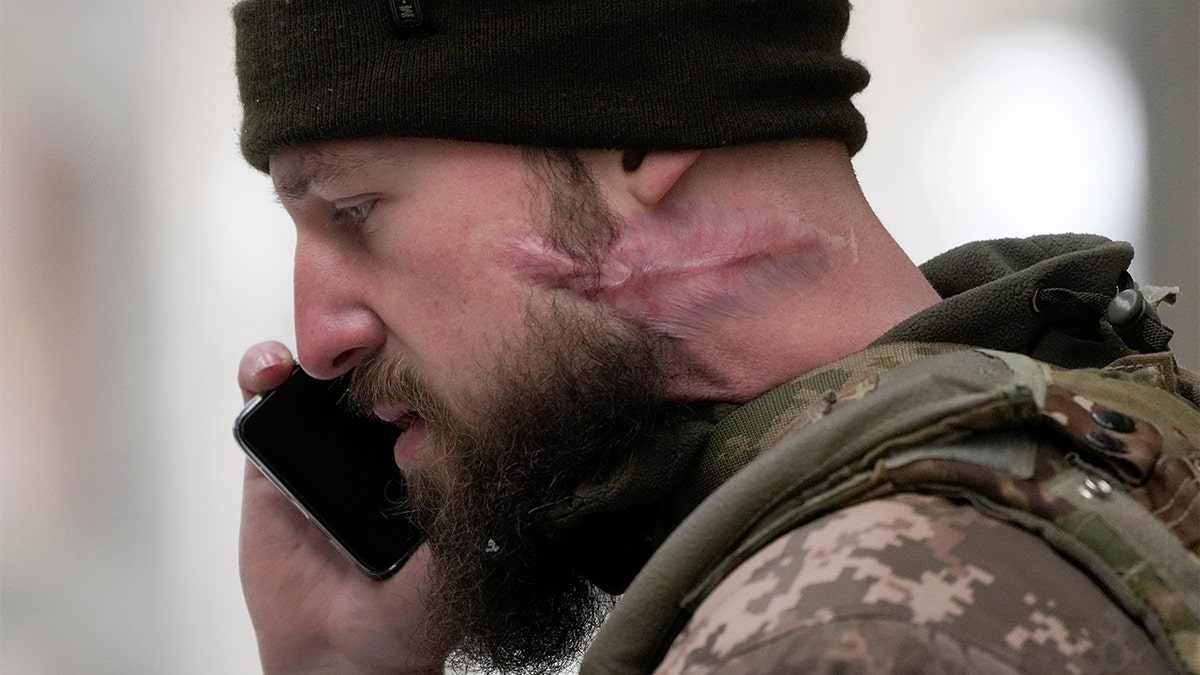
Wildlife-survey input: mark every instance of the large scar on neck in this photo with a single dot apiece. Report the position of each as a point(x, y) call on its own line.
point(679, 272)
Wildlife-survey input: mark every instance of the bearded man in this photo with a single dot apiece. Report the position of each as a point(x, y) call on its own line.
point(609, 267)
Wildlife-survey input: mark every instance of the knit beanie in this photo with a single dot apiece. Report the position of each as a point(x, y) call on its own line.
point(622, 74)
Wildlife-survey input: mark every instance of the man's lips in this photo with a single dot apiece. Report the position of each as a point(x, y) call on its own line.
point(395, 413)
point(412, 430)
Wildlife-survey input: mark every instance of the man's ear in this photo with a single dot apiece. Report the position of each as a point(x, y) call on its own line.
point(651, 178)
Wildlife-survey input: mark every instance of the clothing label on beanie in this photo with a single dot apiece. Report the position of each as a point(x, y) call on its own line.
point(406, 14)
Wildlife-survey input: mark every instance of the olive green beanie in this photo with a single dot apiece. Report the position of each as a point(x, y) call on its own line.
point(627, 74)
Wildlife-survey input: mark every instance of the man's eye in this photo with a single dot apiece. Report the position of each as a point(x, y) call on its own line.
point(353, 214)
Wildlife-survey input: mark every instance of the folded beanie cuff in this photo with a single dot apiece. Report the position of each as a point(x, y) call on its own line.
point(673, 74)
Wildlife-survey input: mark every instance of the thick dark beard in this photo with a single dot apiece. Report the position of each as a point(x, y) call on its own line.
point(580, 396)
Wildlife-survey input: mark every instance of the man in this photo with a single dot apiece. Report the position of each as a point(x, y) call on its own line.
point(581, 253)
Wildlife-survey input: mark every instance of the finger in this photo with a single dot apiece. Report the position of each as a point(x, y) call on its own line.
point(264, 366)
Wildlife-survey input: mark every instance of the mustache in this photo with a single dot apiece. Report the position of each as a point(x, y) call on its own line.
point(392, 380)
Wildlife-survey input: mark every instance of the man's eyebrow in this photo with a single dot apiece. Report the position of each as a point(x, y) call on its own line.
point(292, 188)
point(317, 167)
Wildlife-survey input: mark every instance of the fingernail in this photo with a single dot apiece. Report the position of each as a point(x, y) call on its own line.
point(266, 360)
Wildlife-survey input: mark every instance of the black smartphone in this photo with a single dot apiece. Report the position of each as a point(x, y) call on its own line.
point(336, 465)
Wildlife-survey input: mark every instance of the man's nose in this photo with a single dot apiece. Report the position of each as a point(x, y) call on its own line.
point(335, 327)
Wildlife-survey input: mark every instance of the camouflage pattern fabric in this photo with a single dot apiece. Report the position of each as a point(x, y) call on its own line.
point(1103, 466)
point(909, 584)
point(745, 433)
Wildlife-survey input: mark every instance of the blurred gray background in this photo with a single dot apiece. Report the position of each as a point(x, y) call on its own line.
point(139, 257)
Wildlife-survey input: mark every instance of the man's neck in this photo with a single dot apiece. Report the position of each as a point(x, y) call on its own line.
point(751, 271)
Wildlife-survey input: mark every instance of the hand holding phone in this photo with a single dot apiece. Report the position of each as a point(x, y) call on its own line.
point(308, 602)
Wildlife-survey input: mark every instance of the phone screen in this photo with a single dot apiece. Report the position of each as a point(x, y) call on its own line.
point(336, 465)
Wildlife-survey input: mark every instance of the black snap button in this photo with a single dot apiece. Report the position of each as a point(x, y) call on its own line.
point(1126, 308)
point(1113, 420)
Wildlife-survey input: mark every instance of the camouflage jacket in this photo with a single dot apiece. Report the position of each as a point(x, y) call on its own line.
point(883, 549)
